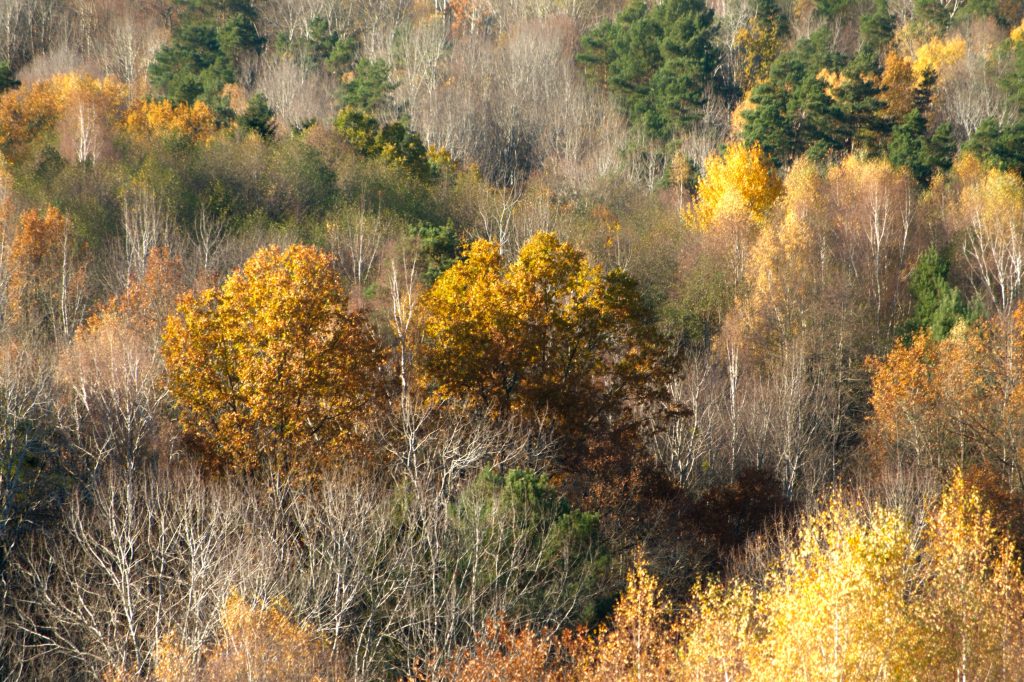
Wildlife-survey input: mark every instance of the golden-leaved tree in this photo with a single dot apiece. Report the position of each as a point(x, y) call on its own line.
point(859, 593)
point(255, 642)
point(733, 200)
point(861, 596)
point(548, 332)
point(271, 371)
point(194, 122)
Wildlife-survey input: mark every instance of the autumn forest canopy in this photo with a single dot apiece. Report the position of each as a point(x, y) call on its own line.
point(471, 340)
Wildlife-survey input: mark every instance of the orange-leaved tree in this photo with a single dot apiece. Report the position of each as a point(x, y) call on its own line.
point(48, 285)
point(271, 371)
point(548, 332)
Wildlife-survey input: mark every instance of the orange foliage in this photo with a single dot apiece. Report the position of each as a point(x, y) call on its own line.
point(502, 654)
point(161, 118)
point(47, 279)
point(87, 109)
point(146, 302)
point(955, 401)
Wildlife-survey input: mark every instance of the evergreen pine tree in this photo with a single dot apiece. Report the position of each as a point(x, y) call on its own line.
point(258, 117)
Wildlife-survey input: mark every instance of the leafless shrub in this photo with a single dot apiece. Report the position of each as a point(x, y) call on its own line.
point(518, 105)
point(968, 91)
point(60, 59)
point(296, 94)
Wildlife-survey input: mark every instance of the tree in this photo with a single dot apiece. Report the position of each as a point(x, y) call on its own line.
point(260, 641)
point(658, 62)
point(204, 52)
point(1001, 146)
point(991, 218)
point(258, 117)
point(270, 371)
point(193, 122)
point(47, 285)
point(938, 305)
point(639, 642)
point(7, 79)
point(392, 142)
point(733, 199)
point(791, 111)
point(370, 86)
point(759, 42)
point(545, 332)
point(740, 181)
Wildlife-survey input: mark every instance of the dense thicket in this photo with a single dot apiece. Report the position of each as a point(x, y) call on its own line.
point(494, 339)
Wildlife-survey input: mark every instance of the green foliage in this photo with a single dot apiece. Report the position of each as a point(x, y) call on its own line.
point(439, 246)
point(1013, 80)
point(938, 305)
point(912, 148)
point(320, 47)
point(258, 117)
point(658, 62)
point(203, 53)
point(370, 86)
point(999, 146)
point(796, 111)
point(876, 30)
point(392, 142)
point(519, 516)
point(7, 79)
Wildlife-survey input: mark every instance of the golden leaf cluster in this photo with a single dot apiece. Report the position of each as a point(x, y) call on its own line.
point(548, 331)
point(741, 184)
point(271, 371)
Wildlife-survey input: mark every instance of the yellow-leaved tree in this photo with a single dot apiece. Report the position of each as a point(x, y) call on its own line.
point(740, 183)
point(639, 642)
point(270, 371)
point(861, 595)
point(548, 332)
point(255, 643)
point(733, 199)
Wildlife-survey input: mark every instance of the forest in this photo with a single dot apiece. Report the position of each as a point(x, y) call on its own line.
point(468, 340)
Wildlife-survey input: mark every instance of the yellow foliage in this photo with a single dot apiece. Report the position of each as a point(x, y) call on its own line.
point(758, 46)
point(897, 85)
point(738, 117)
point(161, 118)
point(783, 271)
point(271, 371)
point(548, 331)
point(859, 596)
point(639, 642)
point(974, 596)
point(1017, 33)
point(834, 609)
point(255, 643)
point(717, 632)
point(741, 183)
point(938, 55)
point(833, 80)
